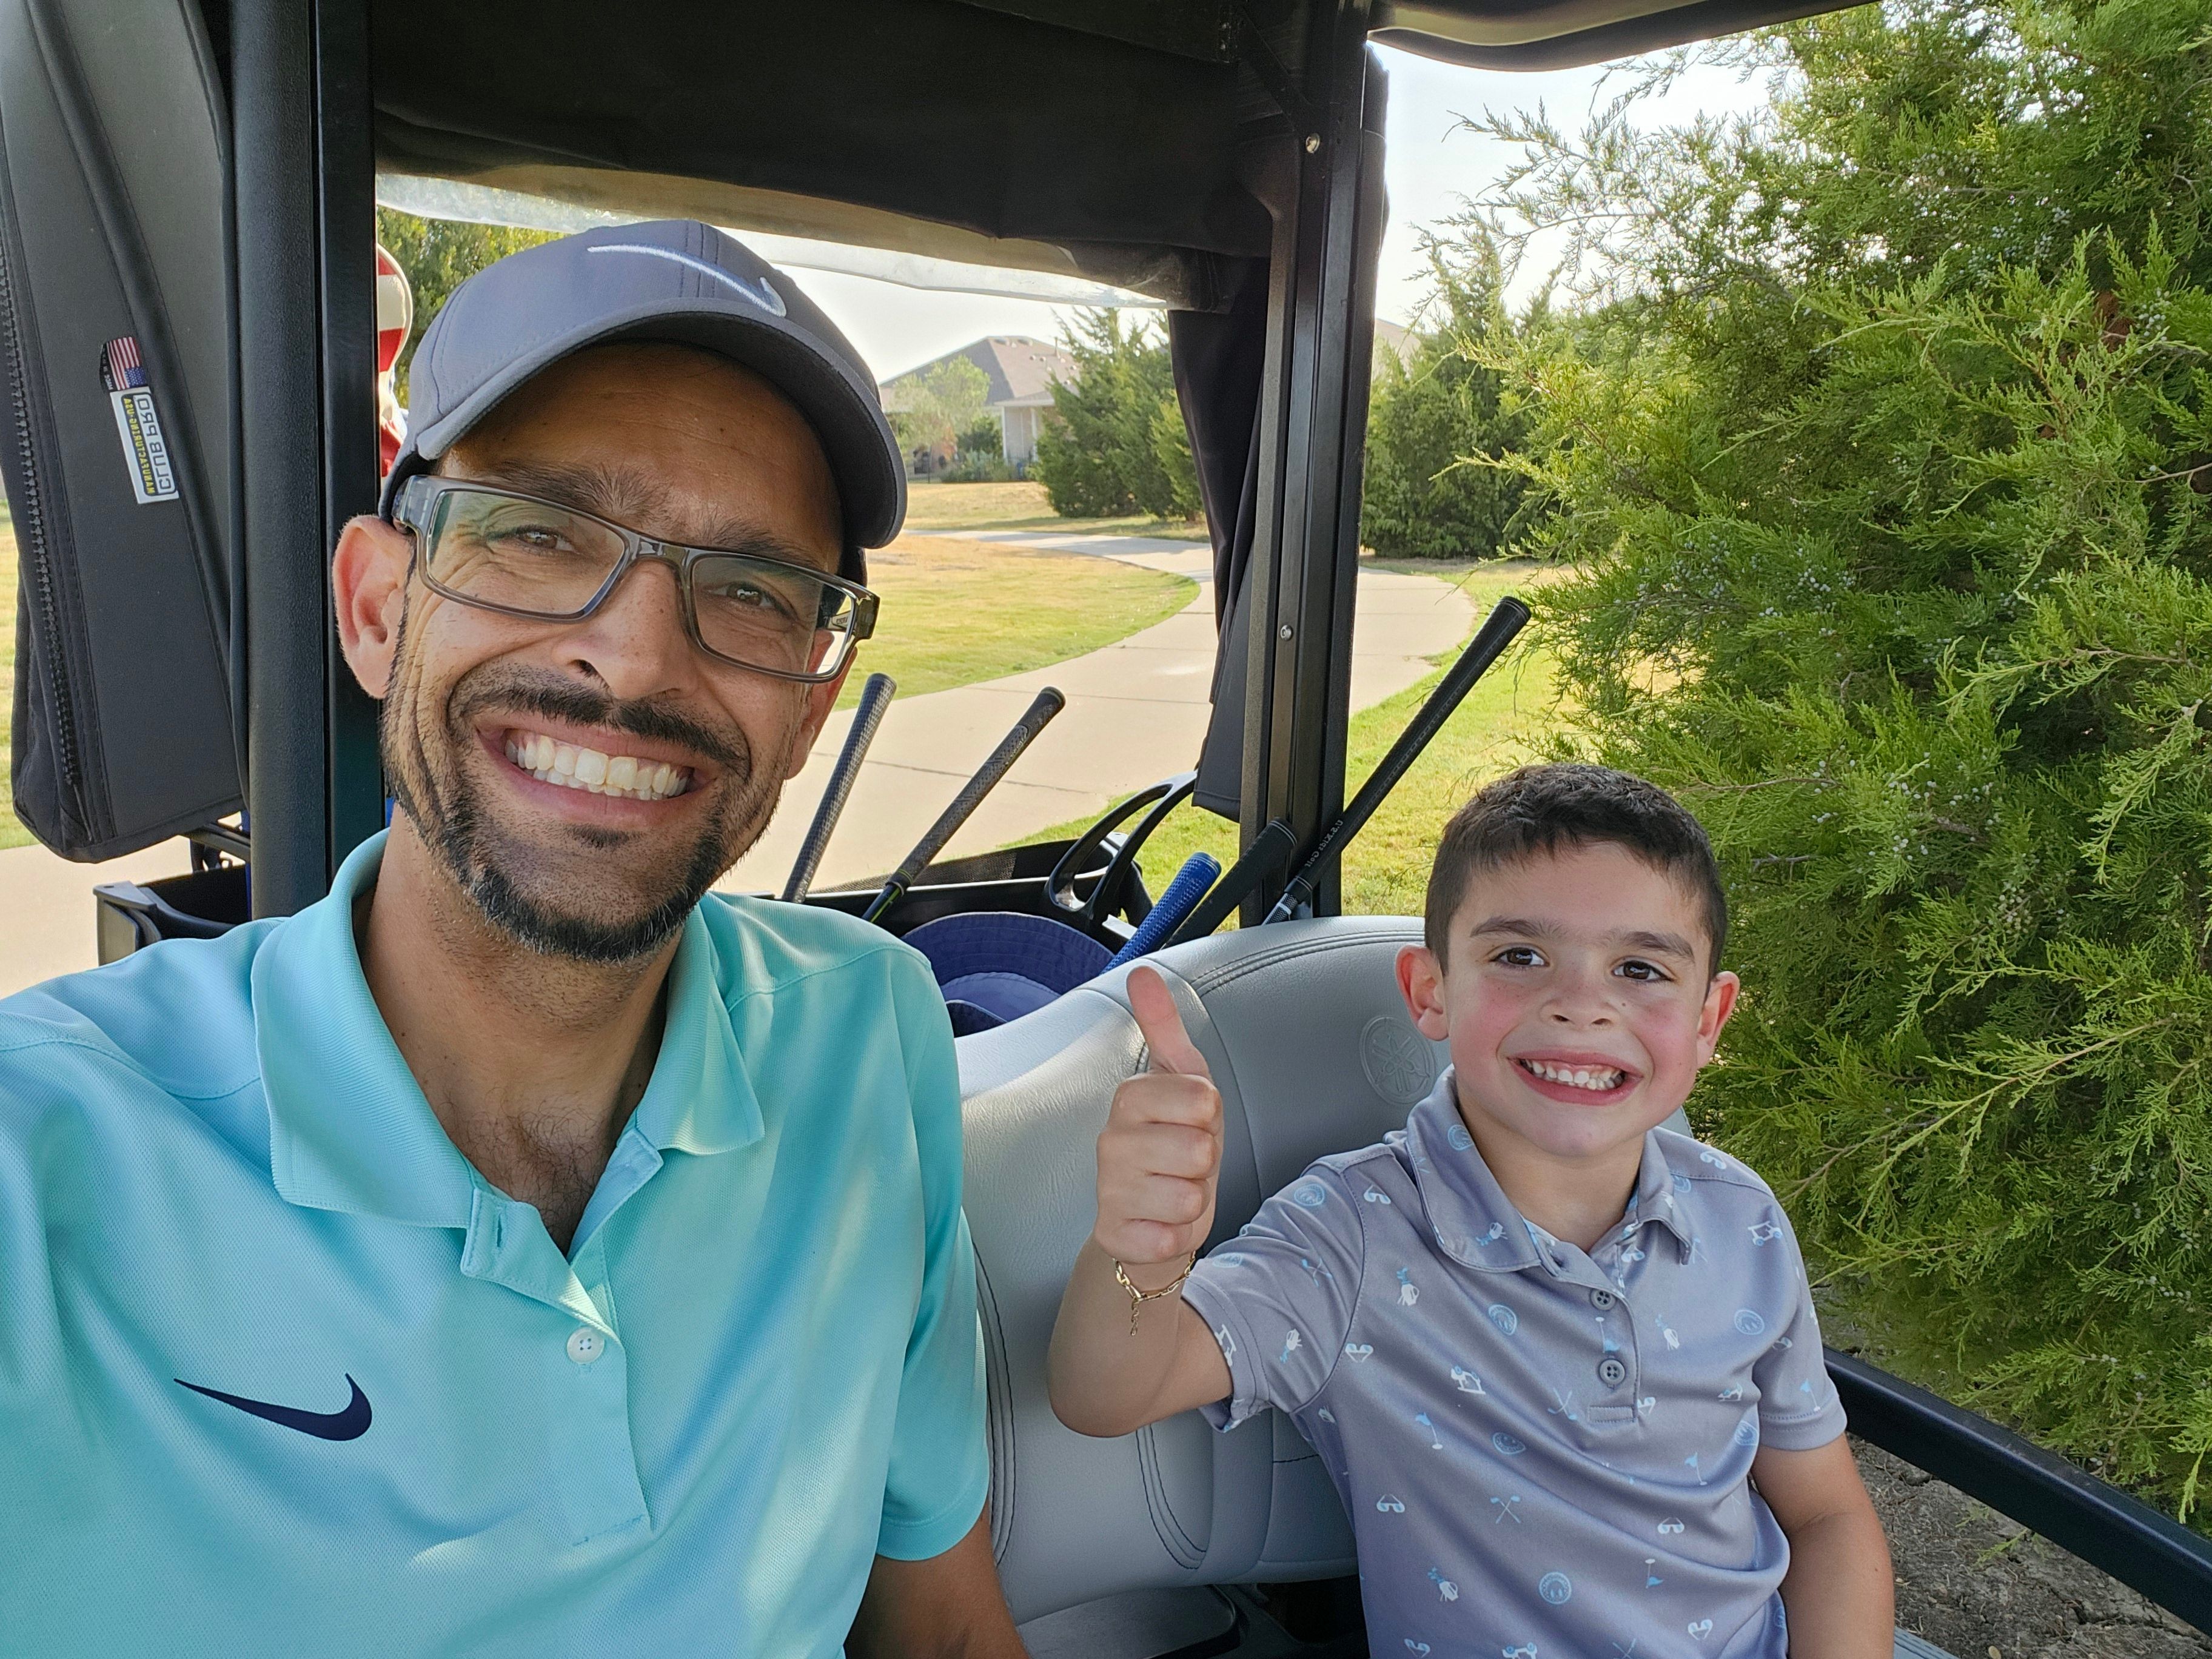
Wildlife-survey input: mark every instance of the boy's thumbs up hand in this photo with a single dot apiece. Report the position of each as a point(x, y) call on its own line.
point(1159, 1157)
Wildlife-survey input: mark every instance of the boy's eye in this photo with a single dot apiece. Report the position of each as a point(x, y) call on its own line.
point(1520, 956)
point(1636, 969)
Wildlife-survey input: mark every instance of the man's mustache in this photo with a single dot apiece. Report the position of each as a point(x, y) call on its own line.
point(559, 699)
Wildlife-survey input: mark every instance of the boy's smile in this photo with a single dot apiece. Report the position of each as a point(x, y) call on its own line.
point(1579, 1005)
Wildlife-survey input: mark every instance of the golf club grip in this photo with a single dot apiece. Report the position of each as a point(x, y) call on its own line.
point(1272, 846)
point(1505, 620)
point(1182, 897)
point(875, 698)
point(1034, 720)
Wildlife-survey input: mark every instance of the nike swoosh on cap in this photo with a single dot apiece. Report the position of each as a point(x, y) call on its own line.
point(761, 294)
point(349, 1423)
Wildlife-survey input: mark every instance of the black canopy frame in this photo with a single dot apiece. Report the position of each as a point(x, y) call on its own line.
point(1273, 282)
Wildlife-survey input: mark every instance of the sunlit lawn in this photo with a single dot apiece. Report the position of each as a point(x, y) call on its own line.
point(1505, 718)
point(12, 833)
point(1022, 506)
point(957, 612)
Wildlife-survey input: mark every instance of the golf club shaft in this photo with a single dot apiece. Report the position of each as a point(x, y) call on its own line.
point(1496, 633)
point(875, 698)
point(1039, 715)
point(1270, 850)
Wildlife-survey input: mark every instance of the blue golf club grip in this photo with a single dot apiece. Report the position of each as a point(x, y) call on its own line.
point(1198, 873)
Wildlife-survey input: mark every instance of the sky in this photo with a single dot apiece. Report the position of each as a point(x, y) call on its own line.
point(1428, 167)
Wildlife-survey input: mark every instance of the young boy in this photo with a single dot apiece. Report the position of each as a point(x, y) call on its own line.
point(1561, 1362)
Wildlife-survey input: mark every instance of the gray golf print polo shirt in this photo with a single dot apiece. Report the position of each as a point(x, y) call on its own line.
point(1543, 1452)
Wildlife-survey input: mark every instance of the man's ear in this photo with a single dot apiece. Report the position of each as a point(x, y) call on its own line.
point(1421, 982)
point(368, 585)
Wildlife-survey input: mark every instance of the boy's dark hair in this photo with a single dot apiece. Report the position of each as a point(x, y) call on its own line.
point(1540, 809)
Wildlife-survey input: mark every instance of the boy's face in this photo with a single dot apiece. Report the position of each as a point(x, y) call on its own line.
point(1576, 1000)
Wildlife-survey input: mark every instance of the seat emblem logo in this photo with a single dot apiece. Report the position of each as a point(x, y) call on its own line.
point(1399, 1064)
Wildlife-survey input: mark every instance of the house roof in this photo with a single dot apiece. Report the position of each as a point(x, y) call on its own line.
point(1395, 337)
point(1021, 371)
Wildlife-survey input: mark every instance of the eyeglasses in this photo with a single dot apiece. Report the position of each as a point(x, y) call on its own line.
point(522, 557)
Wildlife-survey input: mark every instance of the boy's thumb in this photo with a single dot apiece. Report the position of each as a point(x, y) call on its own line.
point(1161, 1022)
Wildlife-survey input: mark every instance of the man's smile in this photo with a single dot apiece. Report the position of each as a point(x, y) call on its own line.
point(620, 772)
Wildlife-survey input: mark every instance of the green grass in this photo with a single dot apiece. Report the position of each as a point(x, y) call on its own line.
point(957, 611)
point(12, 833)
point(1023, 506)
point(1504, 721)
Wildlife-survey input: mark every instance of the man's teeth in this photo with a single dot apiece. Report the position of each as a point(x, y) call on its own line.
point(1596, 1078)
point(575, 767)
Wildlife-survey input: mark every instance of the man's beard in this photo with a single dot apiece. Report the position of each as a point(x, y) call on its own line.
point(448, 810)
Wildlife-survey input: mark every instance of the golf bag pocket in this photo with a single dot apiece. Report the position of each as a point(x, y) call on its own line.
point(116, 439)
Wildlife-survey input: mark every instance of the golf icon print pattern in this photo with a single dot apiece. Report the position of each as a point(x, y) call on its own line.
point(1544, 1452)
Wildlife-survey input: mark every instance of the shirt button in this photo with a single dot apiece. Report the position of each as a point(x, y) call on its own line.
point(1612, 1372)
point(1602, 1299)
point(586, 1345)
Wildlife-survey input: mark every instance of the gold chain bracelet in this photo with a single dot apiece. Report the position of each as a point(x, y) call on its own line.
point(1138, 1298)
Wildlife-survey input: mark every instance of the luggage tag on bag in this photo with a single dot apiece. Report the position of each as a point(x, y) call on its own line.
point(145, 453)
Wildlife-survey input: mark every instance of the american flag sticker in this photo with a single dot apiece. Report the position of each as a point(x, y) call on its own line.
point(145, 453)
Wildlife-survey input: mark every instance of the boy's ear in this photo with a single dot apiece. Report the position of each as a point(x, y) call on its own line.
point(1421, 982)
point(1720, 1003)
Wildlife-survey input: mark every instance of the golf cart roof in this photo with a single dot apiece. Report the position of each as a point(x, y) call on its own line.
point(1100, 138)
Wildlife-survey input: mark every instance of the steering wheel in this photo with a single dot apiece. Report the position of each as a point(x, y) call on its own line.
point(1108, 896)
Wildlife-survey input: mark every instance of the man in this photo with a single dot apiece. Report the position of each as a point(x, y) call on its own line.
point(513, 1254)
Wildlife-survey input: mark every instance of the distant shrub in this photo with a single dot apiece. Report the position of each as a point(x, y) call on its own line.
point(1438, 422)
point(1116, 442)
point(977, 467)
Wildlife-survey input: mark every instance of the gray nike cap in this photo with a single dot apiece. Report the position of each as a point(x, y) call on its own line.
point(673, 279)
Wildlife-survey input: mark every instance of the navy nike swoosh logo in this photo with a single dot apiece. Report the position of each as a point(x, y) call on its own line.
point(350, 1424)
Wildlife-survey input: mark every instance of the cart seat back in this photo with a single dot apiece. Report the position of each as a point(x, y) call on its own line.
point(1311, 1046)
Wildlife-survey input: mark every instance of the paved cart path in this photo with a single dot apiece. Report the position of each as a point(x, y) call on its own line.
point(1136, 711)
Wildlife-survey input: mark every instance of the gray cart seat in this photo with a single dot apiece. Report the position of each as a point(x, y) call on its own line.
point(1313, 1053)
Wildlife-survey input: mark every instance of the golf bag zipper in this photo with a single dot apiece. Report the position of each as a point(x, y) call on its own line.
point(33, 538)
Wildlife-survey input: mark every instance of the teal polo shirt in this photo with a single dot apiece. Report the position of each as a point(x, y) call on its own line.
point(281, 1373)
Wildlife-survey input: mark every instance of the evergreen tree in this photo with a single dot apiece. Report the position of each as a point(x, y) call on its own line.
point(1887, 473)
point(1116, 443)
point(1438, 424)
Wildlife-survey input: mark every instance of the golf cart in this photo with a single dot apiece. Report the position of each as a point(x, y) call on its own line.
point(188, 319)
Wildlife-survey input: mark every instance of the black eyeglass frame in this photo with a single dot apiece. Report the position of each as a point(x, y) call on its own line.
point(412, 508)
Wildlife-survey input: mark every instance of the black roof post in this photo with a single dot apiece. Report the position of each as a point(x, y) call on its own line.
point(1313, 434)
point(305, 226)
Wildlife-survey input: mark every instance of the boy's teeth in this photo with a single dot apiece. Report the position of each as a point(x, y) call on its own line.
point(593, 772)
point(1597, 1079)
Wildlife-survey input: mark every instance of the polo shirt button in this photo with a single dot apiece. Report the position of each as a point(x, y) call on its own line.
point(586, 1345)
point(1612, 1372)
point(1602, 1299)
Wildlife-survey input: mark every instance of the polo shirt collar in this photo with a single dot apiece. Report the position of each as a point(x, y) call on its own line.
point(1475, 1222)
point(1659, 1198)
point(700, 1099)
point(349, 1127)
